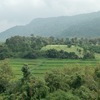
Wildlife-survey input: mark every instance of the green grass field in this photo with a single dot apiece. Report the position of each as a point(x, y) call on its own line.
point(39, 67)
point(65, 48)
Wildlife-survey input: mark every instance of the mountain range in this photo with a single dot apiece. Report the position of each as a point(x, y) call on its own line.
point(83, 25)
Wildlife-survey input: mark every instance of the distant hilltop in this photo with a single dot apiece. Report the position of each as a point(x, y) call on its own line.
point(83, 25)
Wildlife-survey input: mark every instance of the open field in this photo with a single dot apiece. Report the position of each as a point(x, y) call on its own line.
point(65, 48)
point(40, 66)
point(78, 50)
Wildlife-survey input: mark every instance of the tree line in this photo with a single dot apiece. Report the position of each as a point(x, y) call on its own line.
point(30, 47)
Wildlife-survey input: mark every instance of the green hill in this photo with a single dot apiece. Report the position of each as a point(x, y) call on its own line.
point(65, 48)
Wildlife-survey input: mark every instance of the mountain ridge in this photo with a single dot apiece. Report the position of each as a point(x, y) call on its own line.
point(62, 26)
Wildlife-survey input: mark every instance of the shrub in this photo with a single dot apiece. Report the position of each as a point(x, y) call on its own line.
point(61, 95)
point(88, 55)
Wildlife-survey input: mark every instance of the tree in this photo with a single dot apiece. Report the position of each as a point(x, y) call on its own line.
point(89, 55)
point(61, 95)
point(84, 93)
point(27, 88)
point(18, 44)
point(6, 75)
point(77, 80)
point(52, 53)
point(31, 55)
point(4, 52)
point(26, 72)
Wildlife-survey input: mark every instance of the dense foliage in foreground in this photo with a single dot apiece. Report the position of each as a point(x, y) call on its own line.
point(66, 84)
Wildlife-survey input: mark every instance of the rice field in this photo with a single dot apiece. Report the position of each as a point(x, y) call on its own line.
point(39, 67)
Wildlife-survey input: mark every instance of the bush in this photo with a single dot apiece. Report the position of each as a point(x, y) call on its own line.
point(27, 88)
point(4, 52)
point(52, 53)
point(5, 76)
point(97, 72)
point(84, 93)
point(31, 55)
point(89, 55)
point(61, 95)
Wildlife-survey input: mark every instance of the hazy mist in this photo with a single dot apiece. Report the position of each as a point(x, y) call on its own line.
point(16, 12)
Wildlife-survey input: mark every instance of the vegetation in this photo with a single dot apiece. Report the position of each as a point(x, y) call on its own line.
point(39, 67)
point(68, 84)
point(73, 48)
point(40, 47)
point(52, 53)
point(53, 69)
point(5, 76)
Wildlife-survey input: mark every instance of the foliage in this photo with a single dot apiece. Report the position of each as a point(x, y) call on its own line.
point(5, 76)
point(97, 72)
point(84, 93)
point(53, 53)
point(32, 54)
point(28, 88)
point(30, 47)
point(74, 83)
point(61, 95)
point(18, 44)
point(95, 48)
point(4, 52)
point(67, 84)
point(89, 55)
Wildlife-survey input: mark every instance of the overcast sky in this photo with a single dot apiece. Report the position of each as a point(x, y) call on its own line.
point(19, 12)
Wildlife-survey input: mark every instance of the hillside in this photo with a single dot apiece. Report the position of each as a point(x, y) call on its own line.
point(84, 25)
point(90, 29)
point(65, 48)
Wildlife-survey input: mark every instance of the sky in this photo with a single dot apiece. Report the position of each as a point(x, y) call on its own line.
point(21, 12)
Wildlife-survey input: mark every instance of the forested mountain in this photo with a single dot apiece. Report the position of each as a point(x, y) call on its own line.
point(89, 29)
point(84, 25)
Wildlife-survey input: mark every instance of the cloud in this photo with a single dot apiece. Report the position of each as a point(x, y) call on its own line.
point(14, 12)
point(4, 24)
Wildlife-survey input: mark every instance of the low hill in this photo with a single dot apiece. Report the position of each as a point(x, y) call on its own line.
point(65, 48)
point(84, 25)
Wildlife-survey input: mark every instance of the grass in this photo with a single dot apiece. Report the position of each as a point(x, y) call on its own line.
point(39, 67)
point(97, 56)
point(65, 48)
